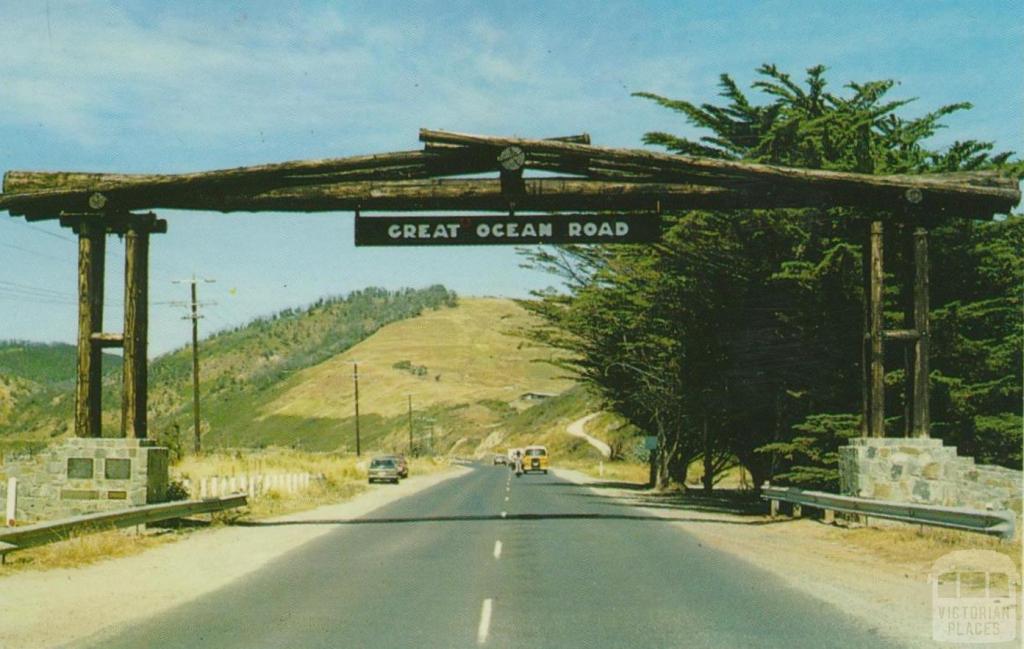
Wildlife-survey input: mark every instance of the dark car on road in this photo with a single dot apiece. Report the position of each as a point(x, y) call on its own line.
point(384, 469)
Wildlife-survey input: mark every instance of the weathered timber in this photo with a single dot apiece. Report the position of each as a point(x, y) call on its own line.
point(70, 191)
point(543, 194)
point(106, 340)
point(89, 376)
point(961, 192)
point(876, 423)
point(901, 335)
point(906, 243)
point(921, 415)
point(116, 223)
point(136, 323)
point(865, 346)
point(44, 195)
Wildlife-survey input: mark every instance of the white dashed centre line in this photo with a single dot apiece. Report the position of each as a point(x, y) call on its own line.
point(506, 498)
point(485, 621)
point(497, 549)
point(504, 514)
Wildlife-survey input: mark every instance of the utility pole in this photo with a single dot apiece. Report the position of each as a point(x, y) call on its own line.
point(355, 383)
point(194, 316)
point(410, 424)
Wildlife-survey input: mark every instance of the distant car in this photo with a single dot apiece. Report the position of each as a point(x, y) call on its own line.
point(500, 459)
point(401, 462)
point(384, 469)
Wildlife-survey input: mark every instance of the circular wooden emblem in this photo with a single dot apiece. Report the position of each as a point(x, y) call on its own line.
point(97, 201)
point(512, 158)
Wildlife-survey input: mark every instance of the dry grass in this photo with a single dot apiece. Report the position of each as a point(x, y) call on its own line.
point(611, 471)
point(921, 546)
point(344, 478)
point(469, 353)
point(85, 549)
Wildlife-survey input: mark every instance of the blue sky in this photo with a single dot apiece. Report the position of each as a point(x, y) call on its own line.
point(174, 87)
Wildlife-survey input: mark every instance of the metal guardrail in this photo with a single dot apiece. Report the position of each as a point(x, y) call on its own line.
point(1000, 523)
point(19, 538)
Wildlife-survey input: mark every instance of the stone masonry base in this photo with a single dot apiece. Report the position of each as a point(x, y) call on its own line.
point(85, 475)
point(922, 470)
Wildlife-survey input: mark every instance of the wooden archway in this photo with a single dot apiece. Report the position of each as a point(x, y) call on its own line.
point(593, 179)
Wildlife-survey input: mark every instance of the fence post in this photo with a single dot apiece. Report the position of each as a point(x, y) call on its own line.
point(12, 501)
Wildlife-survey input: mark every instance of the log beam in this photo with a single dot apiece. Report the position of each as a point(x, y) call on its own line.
point(876, 414)
point(922, 410)
point(958, 191)
point(105, 340)
point(89, 376)
point(136, 325)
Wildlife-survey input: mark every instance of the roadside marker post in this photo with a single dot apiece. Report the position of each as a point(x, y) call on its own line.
point(12, 501)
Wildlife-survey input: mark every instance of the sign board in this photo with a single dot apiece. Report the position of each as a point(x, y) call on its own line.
point(651, 442)
point(429, 230)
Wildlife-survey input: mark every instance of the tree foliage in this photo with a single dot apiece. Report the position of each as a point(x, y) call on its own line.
point(740, 333)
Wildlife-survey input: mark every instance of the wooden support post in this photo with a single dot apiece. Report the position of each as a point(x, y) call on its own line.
point(136, 324)
point(876, 416)
point(922, 414)
point(907, 274)
point(88, 387)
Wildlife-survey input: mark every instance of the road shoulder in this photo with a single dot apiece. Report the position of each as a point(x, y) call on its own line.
point(102, 598)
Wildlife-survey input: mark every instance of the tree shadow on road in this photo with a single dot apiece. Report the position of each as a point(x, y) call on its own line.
point(469, 518)
point(721, 501)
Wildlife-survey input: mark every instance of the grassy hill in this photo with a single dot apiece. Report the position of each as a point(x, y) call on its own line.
point(37, 386)
point(286, 380)
point(244, 364)
point(463, 366)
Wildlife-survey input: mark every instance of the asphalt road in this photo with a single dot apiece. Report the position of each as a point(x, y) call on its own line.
point(491, 560)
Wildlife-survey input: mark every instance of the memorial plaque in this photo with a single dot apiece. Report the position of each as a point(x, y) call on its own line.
point(430, 230)
point(79, 494)
point(117, 469)
point(80, 468)
point(117, 495)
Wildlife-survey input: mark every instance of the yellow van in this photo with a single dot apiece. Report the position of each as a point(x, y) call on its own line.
point(535, 458)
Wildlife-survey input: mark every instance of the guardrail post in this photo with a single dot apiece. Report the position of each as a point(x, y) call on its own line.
point(774, 509)
point(828, 516)
point(12, 501)
point(798, 510)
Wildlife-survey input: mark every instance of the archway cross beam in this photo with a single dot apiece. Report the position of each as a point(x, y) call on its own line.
point(433, 178)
